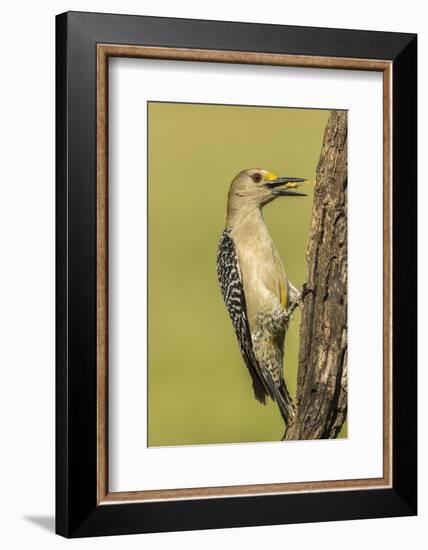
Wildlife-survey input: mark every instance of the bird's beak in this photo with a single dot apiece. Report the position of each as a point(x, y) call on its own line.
point(283, 187)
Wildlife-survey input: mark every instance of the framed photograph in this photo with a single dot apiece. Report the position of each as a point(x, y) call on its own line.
point(236, 274)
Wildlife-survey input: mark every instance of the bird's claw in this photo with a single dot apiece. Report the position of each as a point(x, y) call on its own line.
point(305, 291)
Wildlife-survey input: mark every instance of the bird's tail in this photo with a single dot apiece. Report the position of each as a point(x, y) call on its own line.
point(285, 404)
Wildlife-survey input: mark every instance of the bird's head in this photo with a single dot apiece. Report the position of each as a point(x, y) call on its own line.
point(256, 187)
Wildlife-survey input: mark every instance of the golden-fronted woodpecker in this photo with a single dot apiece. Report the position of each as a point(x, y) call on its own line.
point(259, 297)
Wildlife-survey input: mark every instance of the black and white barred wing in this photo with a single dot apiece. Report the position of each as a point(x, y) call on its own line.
point(229, 277)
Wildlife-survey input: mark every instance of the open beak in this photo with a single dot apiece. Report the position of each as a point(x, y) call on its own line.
point(284, 187)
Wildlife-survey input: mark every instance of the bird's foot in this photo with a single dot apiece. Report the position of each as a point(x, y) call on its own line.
point(302, 295)
point(288, 313)
point(305, 291)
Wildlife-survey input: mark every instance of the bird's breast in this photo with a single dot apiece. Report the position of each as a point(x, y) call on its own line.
point(263, 277)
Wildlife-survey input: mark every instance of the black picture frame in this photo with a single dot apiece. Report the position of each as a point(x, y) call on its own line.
point(77, 511)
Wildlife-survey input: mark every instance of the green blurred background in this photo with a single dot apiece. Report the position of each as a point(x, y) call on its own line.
point(199, 390)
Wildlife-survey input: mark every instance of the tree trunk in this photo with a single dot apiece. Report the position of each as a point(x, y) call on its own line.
point(322, 372)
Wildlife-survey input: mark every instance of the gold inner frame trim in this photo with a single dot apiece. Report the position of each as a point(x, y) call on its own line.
point(104, 51)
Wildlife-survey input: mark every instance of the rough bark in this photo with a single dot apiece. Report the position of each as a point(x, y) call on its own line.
point(321, 400)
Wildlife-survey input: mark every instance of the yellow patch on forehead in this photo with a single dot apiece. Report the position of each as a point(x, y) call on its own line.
point(270, 177)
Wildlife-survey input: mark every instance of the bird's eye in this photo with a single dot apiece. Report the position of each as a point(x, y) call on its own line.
point(257, 177)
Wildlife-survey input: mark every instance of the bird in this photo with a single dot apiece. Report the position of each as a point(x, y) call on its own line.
point(258, 295)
